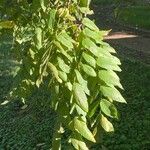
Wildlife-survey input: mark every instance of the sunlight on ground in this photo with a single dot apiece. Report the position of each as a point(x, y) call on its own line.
point(120, 35)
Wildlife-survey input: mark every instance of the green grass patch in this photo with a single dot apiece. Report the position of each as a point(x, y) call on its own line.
point(135, 16)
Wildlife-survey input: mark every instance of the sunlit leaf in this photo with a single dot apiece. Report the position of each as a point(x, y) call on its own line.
point(108, 108)
point(90, 24)
point(54, 72)
point(64, 67)
point(77, 142)
point(81, 127)
point(89, 59)
point(112, 93)
point(108, 63)
point(80, 97)
point(89, 70)
point(110, 78)
point(91, 46)
point(107, 125)
point(82, 82)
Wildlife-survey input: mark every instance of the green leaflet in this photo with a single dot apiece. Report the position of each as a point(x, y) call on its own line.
point(38, 33)
point(69, 86)
point(89, 59)
point(107, 126)
point(51, 20)
point(112, 93)
point(93, 108)
point(91, 46)
point(61, 50)
point(103, 52)
point(81, 127)
point(62, 75)
point(80, 97)
point(109, 48)
point(108, 63)
point(89, 70)
point(110, 78)
point(108, 108)
point(77, 142)
point(95, 35)
point(62, 65)
point(80, 111)
point(54, 72)
point(65, 39)
point(82, 82)
point(90, 24)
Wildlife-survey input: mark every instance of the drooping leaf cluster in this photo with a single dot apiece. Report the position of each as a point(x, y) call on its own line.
point(58, 45)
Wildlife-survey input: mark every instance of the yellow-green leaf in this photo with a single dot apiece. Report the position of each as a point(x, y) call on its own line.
point(80, 97)
point(62, 65)
point(112, 93)
point(77, 142)
point(89, 70)
point(90, 24)
point(107, 125)
point(54, 72)
point(81, 127)
point(110, 78)
point(108, 63)
point(108, 108)
point(89, 59)
point(62, 75)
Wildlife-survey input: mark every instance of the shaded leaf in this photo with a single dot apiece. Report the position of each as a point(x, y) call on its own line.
point(93, 108)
